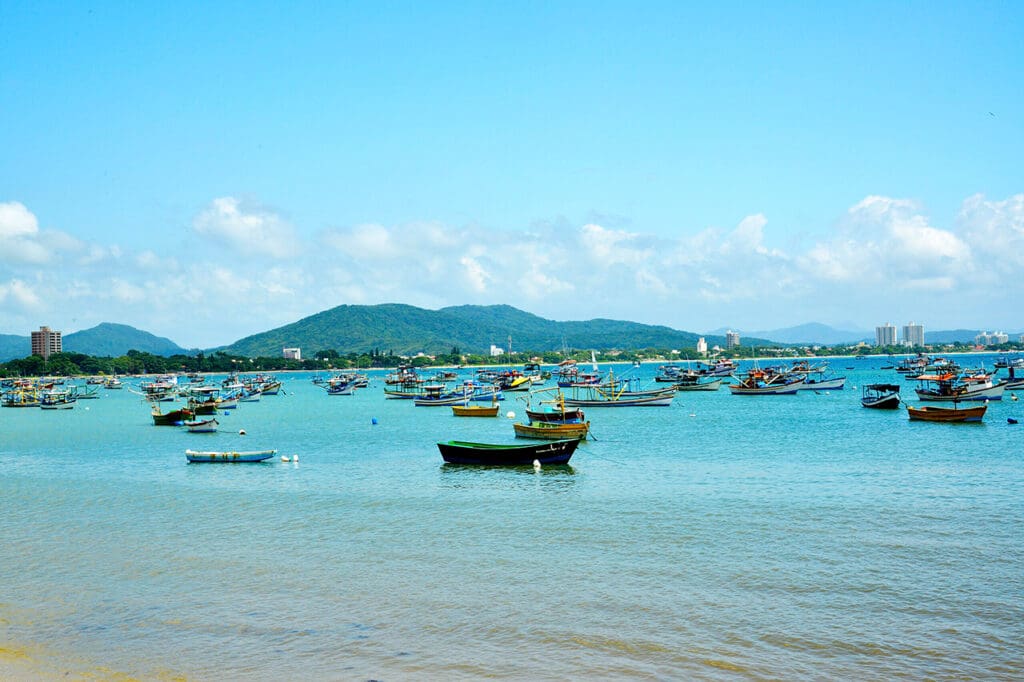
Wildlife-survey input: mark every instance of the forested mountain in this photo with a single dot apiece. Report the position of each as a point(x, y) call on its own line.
point(405, 329)
point(112, 340)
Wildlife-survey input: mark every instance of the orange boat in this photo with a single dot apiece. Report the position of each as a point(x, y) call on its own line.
point(932, 413)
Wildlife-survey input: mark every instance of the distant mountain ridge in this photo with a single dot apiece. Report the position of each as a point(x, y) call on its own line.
point(103, 340)
point(405, 329)
point(810, 333)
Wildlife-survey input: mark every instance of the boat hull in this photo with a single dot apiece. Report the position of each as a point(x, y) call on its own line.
point(486, 454)
point(932, 413)
point(195, 457)
point(475, 410)
point(551, 431)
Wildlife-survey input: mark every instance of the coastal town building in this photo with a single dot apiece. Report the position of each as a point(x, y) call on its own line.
point(991, 338)
point(702, 346)
point(291, 353)
point(913, 335)
point(46, 342)
point(732, 339)
point(496, 351)
point(885, 335)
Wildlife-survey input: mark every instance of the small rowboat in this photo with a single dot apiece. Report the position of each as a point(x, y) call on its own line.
point(194, 456)
point(475, 410)
point(202, 426)
point(934, 413)
point(551, 431)
point(550, 452)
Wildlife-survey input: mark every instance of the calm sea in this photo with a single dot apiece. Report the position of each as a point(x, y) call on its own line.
point(724, 537)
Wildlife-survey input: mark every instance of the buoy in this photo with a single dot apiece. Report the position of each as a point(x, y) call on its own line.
point(1013, 396)
point(693, 414)
point(1011, 420)
point(295, 458)
point(536, 464)
point(241, 432)
point(285, 458)
point(373, 420)
point(510, 414)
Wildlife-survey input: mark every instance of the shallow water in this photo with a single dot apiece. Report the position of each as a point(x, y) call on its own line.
point(723, 537)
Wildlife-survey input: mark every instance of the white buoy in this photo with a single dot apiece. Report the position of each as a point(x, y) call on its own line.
point(510, 414)
point(295, 458)
point(693, 414)
point(241, 432)
point(285, 458)
point(536, 465)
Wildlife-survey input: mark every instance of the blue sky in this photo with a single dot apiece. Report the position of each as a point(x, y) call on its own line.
point(206, 172)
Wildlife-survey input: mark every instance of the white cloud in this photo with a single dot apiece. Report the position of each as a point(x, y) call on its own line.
point(21, 295)
point(250, 229)
point(17, 221)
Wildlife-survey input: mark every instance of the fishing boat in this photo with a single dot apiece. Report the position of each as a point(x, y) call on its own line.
point(548, 452)
point(765, 382)
point(824, 384)
point(947, 387)
point(880, 396)
point(551, 430)
point(113, 383)
point(194, 456)
point(475, 410)
point(202, 426)
point(934, 413)
point(698, 383)
point(58, 400)
point(172, 418)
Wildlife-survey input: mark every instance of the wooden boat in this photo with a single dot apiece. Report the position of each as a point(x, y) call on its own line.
point(829, 384)
point(172, 418)
point(552, 431)
point(475, 410)
point(194, 456)
point(202, 426)
point(934, 413)
point(58, 400)
point(699, 384)
point(765, 382)
point(880, 396)
point(947, 387)
point(548, 452)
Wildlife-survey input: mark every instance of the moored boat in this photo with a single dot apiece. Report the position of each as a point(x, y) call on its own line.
point(202, 426)
point(490, 454)
point(475, 410)
point(880, 396)
point(194, 456)
point(935, 413)
point(172, 418)
point(552, 431)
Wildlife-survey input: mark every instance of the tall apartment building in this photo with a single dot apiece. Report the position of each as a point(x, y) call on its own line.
point(46, 342)
point(291, 353)
point(913, 334)
point(885, 335)
point(993, 339)
point(702, 346)
point(732, 339)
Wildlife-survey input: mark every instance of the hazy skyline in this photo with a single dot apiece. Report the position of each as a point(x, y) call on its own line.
point(208, 172)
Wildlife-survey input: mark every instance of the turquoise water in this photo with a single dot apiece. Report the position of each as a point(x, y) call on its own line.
point(724, 537)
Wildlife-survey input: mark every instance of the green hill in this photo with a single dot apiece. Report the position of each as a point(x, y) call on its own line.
point(13, 346)
point(405, 329)
point(113, 340)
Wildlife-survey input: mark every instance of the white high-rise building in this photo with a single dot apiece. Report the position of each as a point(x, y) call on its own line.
point(885, 335)
point(702, 346)
point(291, 353)
point(732, 339)
point(913, 334)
